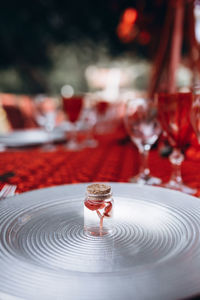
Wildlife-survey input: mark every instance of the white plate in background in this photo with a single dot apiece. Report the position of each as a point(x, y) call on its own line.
point(30, 137)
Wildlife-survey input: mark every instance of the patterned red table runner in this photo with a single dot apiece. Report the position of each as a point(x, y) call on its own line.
point(110, 161)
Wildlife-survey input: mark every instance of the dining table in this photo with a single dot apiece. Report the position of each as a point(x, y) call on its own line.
point(115, 159)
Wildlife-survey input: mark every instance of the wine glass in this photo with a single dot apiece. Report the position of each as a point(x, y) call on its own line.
point(88, 120)
point(72, 107)
point(46, 118)
point(195, 112)
point(144, 129)
point(174, 116)
point(81, 116)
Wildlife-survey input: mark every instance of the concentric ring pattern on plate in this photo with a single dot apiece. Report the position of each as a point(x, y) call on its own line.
point(152, 253)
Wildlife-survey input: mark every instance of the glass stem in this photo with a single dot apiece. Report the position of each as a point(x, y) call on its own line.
point(176, 159)
point(144, 155)
point(73, 134)
point(72, 142)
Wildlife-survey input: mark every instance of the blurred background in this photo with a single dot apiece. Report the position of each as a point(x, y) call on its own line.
point(46, 44)
point(70, 69)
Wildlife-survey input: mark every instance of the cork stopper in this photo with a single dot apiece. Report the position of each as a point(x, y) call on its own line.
point(98, 189)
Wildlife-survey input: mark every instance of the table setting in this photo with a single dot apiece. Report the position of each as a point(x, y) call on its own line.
point(152, 247)
point(100, 185)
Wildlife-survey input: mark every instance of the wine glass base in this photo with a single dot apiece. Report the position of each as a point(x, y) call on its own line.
point(91, 143)
point(179, 187)
point(48, 148)
point(149, 180)
point(73, 146)
point(2, 147)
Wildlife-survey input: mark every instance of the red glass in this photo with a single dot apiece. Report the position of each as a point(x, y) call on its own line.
point(72, 107)
point(174, 117)
point(195, 115)
point(102, 107)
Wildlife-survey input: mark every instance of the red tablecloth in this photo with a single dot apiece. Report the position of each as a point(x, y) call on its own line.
point(110, 161)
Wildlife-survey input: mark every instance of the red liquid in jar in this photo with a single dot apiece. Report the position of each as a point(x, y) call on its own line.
point(102, 208)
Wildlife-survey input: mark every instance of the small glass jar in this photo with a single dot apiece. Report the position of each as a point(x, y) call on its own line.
point(98, 209)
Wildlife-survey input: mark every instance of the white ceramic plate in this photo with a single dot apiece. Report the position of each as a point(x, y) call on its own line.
point(30, 137)
point(153, 252)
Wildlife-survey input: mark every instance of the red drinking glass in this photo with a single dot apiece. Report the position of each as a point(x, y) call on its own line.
point(102, 107)
point(174, 115)
point(72, 107)
point(81, 115)
point(195, 112)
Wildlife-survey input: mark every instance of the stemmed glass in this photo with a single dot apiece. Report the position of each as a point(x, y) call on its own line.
point(195, 112)
point(72, 107)
point(46, 118)
point(81, 118)
point(174, 116)
point(144, 129)
point(88, 120)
